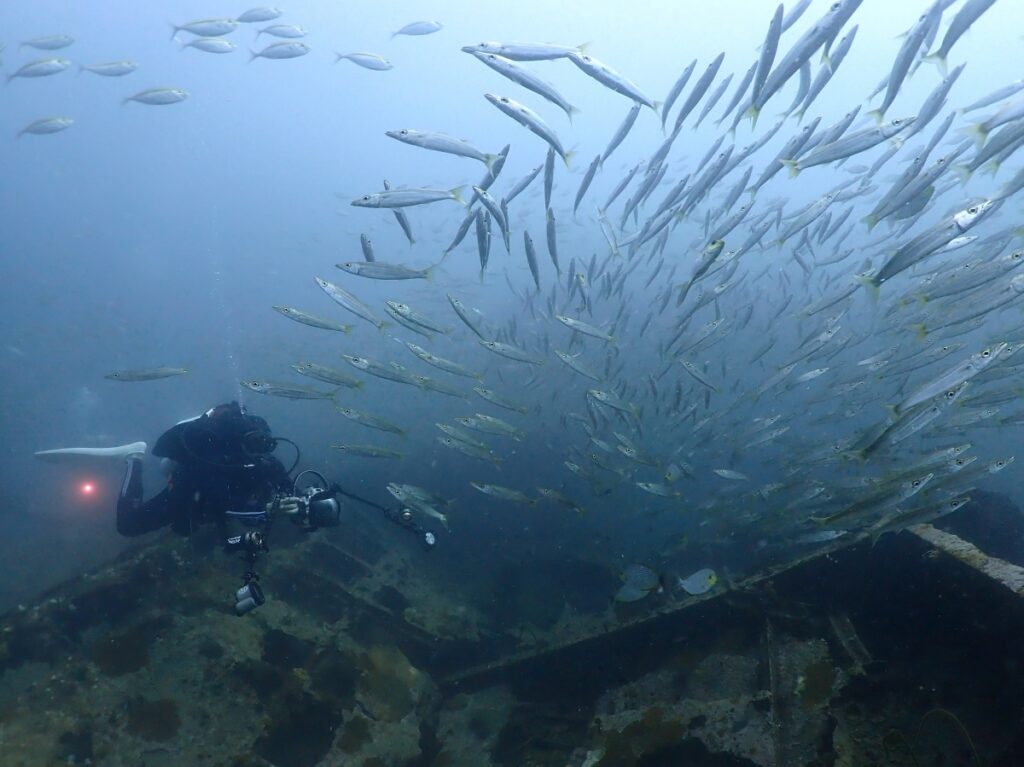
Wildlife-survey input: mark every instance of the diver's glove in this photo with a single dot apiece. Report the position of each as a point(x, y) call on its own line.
point(288, 505)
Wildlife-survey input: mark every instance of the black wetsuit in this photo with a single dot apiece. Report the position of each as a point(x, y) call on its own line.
point(213, 473)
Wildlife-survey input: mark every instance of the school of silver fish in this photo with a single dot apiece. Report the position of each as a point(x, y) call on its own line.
point(753, 365)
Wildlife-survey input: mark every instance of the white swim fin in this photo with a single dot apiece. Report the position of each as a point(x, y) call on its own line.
point(73, 454)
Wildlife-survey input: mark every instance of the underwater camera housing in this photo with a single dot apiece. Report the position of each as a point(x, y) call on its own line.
point(319, 505)
point(320, 508)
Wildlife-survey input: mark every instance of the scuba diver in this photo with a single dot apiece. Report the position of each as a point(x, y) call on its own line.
point(220, 468)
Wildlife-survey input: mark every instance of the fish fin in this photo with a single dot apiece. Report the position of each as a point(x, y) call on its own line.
point(920, 330)
point(921, 298)
point(869, 282)
point(793, 166)
point(572, 111)
point(976, 132)
point(582, 47)
point(893, 411)
point(938, 61)
point(878, 114)
point(489, 161)
point(752, 112)
point(992, 168)
point(860, 456)
point(253, 55)
point(871, 220)
point(456, 193)
point(964, 173)
point(174, 29)
point(338, 57)
point(567, 156)
point(657, 105)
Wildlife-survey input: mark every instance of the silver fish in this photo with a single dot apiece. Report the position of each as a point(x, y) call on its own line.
point(46, 126)
point(530, 120)
point(210, 45)
point(287, 391)
point(531, 258)
point(404, 198)
point(610, 78)
point(279, 51)
point(48, 43)
point(145, 374)
point(470, 450)
point(255, 15)
point(525, 51)
point(379, 270)
point(370, 421)
point(41, 68)
point(418, 28)
point(573, 362)
point(585, 183)
point(206, 27)
point(111, 68)
point(313, 321)
point(158, 96)
point(368, 451)
point(496, 399)
point(952, 378)
point(285, 31)
point(441, 142)
point(969, 12)
point(348, 301)
point(366, 60)
point(327, 375)
point(465, 315)
point(584, 328)
point(523, 77)
point(622, 131)
point(387, 371)
point(511, 352)
point(402, 220)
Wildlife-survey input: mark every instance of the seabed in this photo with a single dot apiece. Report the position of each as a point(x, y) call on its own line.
point(905, 651)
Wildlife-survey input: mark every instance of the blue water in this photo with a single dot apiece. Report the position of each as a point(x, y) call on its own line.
point(162, 235)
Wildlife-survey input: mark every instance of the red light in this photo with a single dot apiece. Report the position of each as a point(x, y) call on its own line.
point(88, 488)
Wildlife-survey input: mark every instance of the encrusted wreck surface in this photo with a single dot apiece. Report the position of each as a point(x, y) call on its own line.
point(880, 654)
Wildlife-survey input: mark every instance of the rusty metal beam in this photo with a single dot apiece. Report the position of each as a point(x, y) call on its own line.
point(1006, 573)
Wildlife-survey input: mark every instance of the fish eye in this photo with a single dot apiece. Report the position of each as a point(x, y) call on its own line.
point(987, 353)
point(917, 483)
point(366, 197)
point(944, 349)
point(404, 132)
point(973, 210)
